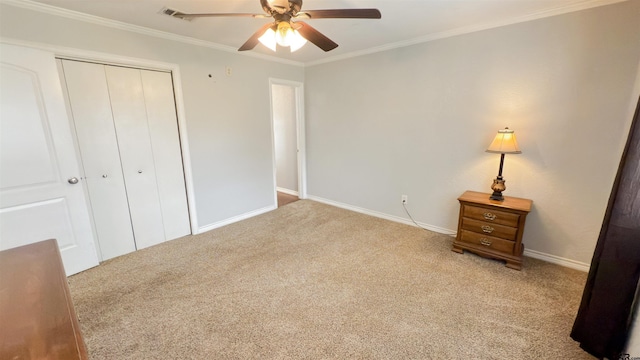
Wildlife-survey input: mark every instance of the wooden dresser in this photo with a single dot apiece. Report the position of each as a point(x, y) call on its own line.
point(492, 228)
point(37, 320)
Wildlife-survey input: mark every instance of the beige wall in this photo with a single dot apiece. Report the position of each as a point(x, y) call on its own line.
point(228, 117)
point(416, 121)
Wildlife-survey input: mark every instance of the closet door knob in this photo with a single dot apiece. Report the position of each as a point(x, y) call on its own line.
point(104, 176)
point(139, 171)
point(73, 180)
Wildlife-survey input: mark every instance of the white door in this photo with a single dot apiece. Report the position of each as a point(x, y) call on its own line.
point(136, 154)
point(165, 141)
point(127, 132)
point(86, 86)
point(41, 196)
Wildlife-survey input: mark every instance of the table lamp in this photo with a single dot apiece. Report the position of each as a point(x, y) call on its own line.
point(504, 143)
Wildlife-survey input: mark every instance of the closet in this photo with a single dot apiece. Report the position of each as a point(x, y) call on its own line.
point(127, 134)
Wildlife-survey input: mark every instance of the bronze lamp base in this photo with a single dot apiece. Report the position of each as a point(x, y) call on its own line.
point(498, 187)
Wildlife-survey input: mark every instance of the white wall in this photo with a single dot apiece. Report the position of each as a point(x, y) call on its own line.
point(228, 117)
point(416, 121)
point(285, 136)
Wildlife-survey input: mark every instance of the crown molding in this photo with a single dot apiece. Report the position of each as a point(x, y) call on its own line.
point(96, 20)
point(471, 29)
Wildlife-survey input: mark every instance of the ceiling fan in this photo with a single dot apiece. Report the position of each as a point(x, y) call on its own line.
point(284, 31)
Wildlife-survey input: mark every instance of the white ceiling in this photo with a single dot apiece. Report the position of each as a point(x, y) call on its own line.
point(403, 21)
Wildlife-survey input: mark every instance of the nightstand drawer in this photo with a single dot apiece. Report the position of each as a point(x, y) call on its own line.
point(491, 215)
point(489, 229)
point(490, 242)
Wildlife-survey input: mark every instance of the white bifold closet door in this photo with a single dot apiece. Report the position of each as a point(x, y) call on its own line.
point(126, 127)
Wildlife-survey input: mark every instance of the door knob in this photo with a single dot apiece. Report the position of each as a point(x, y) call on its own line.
point(139, 171)
point(73, 180)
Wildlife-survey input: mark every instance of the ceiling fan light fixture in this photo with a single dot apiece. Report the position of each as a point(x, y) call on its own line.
point(297, 41)
point(284, 34)
point(283, 31)
point(268, 39)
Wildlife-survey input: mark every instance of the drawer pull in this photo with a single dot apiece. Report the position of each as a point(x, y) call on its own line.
point(485, 242)
point(487, 229)
point(489, 216)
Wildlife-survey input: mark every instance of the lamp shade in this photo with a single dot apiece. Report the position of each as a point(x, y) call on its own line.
point(504, 143)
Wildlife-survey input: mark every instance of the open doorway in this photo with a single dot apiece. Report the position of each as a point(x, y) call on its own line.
point(288, 140)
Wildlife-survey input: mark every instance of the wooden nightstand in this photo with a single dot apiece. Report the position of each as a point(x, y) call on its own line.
point(492, 228)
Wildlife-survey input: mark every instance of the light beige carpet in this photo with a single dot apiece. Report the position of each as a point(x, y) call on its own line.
point(311, 281)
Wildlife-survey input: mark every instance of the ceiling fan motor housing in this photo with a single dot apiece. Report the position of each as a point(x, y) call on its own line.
point(274, 7)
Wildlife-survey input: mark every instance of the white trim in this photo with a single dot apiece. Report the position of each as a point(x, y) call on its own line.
point(92, 56)
point(96, 20)
point(573, 264)
point(302, 142)
point(287, 191)
point(237, 218)
point(274, 167)
point(110, 59)
point(381, 215)
point(184, 145)
point(469, 29)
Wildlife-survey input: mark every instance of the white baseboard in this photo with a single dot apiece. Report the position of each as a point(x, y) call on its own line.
point(573, 264)
point(234, 219)
point(380, 215)
point(287, 191)
point(577, 265)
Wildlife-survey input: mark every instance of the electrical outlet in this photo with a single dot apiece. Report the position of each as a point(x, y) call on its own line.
point(405, 199)
point(228, 71)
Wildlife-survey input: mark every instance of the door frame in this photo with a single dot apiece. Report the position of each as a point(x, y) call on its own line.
point(300, 136)
point(118, 60)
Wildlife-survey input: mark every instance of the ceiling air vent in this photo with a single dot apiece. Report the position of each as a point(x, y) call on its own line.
point(175, 14)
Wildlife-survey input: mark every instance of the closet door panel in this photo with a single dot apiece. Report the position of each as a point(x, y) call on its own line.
point(136, 155)
point(165, 140)
point(91, 111)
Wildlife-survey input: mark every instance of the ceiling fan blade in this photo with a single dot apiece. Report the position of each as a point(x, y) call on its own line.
point(314, 36)
point(343, 14)
point(253, 40)
point(193, 16)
